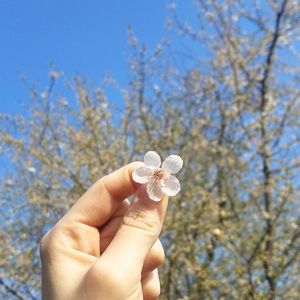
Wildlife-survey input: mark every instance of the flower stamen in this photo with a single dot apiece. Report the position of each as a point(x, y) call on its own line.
point(158, 175)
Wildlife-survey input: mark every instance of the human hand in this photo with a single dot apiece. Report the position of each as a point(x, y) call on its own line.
point(105, 247)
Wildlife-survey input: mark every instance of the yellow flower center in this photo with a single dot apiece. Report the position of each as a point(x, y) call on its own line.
point(158, 174)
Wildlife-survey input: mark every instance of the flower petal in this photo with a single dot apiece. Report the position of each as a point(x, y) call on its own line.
point(152, 159)
point(142, 175)
point(154, 191)
point(172, 164)
point(171, 186)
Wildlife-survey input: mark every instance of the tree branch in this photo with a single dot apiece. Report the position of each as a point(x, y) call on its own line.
point(11, 290)
point(267, 264)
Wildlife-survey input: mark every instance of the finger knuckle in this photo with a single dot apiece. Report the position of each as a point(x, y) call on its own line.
point(157, 292)
point(158, 254)
point(43, 245)
point(49, 243)
point(143, 220)
point(154, 292)
point(103, 275)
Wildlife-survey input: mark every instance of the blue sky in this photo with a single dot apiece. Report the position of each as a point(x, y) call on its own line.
point(84, 37)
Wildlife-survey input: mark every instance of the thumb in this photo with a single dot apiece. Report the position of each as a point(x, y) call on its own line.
point(138, 232)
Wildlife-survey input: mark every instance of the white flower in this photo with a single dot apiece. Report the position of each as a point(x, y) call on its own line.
point(44, 95)
point(294, 225)
point(9, 182)
point(216, 232)
point(31, 169)
point(159, 178)
point(54, 74)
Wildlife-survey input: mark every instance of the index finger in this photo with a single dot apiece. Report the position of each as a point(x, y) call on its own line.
point(96, 206)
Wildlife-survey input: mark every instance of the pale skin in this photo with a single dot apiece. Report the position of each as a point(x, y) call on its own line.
point(105, 247)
